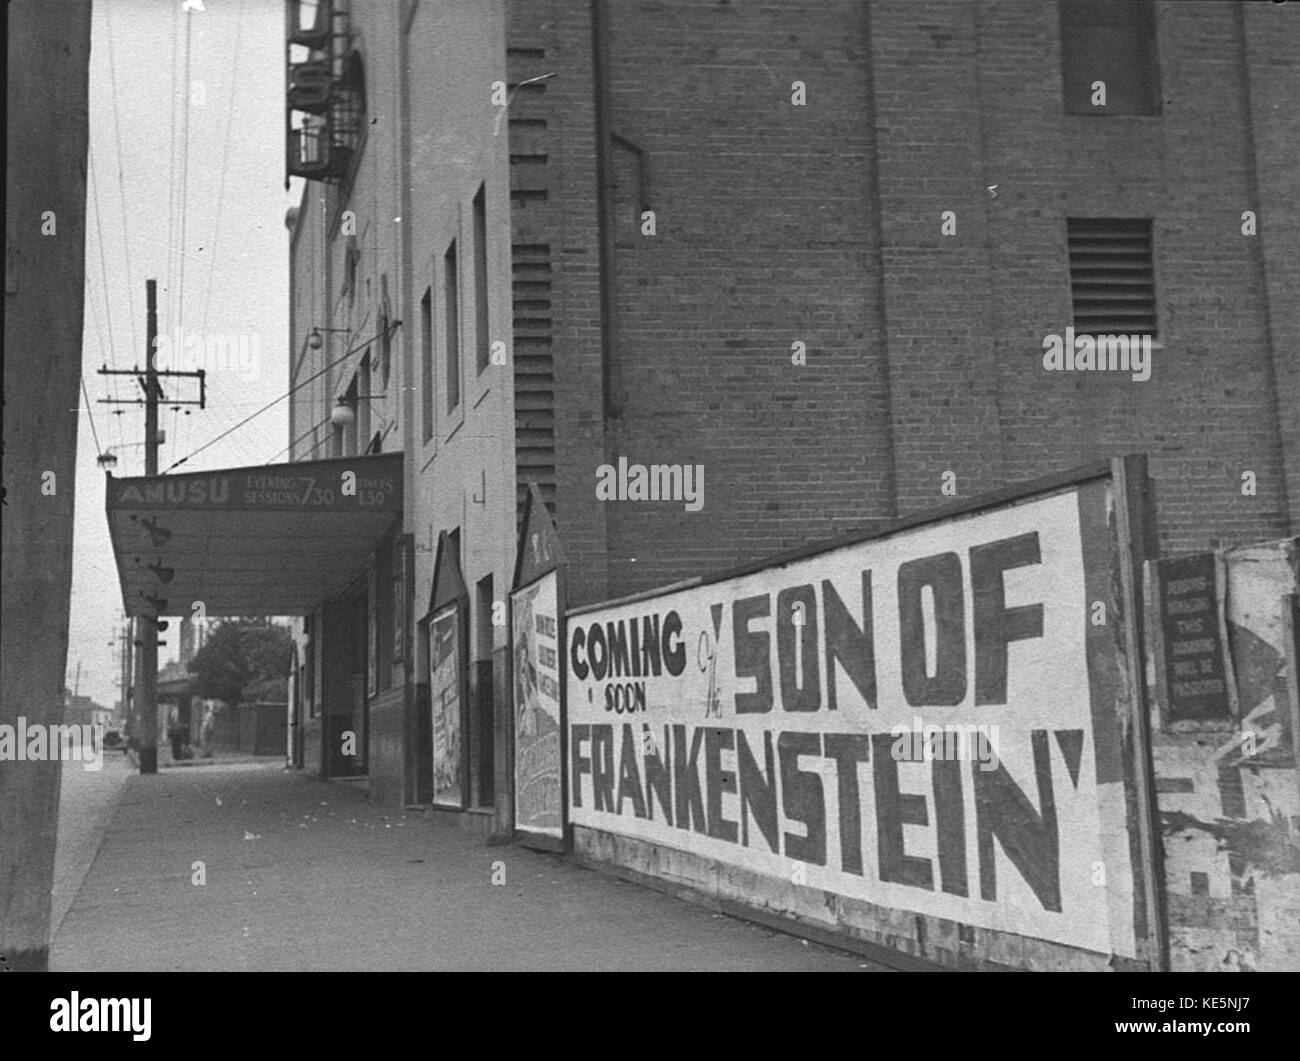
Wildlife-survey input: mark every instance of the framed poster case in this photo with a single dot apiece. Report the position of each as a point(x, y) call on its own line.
point(537, 643)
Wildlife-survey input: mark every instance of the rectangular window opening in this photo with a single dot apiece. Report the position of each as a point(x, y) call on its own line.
point(1109, 63)
point(451, 315)
point(482, 341)
point(426, 359)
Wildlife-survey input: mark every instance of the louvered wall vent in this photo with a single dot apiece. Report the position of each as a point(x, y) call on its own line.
point(1112, 276)
point(534, 374)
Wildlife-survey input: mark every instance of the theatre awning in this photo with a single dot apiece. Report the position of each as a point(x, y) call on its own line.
point(271, 540)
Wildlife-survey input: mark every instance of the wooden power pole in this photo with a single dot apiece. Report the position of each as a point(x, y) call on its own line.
point(146, 626)
point(146, 683)
point(45, 250)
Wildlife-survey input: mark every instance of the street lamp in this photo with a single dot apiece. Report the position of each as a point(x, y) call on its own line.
point(344, 413)
point(108, 459)
point(314, 339)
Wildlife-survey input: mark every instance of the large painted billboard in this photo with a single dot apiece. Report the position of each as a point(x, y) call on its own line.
point(927, 721)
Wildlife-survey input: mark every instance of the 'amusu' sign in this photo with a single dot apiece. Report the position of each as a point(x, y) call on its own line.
point(359, 484)
point(770, 721)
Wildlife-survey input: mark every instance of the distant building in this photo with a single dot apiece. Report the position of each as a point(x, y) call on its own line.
point(85, 711)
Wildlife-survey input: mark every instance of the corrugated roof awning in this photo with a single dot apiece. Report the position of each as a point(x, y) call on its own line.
point(271, 540)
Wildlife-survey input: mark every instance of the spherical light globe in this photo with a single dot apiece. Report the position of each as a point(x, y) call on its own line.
point(342, 414)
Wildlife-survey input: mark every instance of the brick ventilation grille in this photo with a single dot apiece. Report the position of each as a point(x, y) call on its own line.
point(1112, 279)
point(534, 373)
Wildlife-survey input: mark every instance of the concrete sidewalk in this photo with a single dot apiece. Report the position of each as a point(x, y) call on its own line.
point(87, 802)
point(306, 875)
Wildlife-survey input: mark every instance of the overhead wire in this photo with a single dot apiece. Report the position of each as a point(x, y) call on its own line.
point(121, 188)
point(225, 165)
point(187, 89)
point(116, 413)
point(94, 432)
point(110, 359)
point(244, 447)
point(176, 321)
point(246, 450)
point(99, 335)
point(215, 386)
point(310, 430)
point(171, 172)
point(103, 264)
point(274, 402)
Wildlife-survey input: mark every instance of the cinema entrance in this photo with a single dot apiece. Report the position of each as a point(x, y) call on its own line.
point(309, 541)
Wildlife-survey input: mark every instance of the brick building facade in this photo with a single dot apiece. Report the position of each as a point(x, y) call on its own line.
point(822, 224)
point(815, 249)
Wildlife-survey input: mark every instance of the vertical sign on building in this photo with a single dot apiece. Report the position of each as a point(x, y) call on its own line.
point(1191, 622)
point(537, 645)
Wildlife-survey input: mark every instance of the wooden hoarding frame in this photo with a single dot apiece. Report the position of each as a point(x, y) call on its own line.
point(1135, 536)
point(1291, 647)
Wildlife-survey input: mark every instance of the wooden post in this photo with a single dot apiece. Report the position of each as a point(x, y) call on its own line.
point(44, 285)
point(146, 686)
point(1136, 535)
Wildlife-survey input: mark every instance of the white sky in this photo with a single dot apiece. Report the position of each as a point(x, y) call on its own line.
point(230, 200)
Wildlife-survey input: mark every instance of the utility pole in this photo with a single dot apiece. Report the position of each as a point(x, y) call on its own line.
point(45, 280)
point(145, 640)
point(146, 684)
point(125, 671)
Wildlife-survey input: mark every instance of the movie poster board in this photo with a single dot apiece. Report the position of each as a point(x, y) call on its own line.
point(447, 700)
point(535, 622)
point(929, 720)
point(537, 664)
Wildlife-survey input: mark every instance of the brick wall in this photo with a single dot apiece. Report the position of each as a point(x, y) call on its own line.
point(968, 97)
point(821, 223)
point(544, 36)
point(1207, 413)
point(764, 237)
point(1273, 75)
